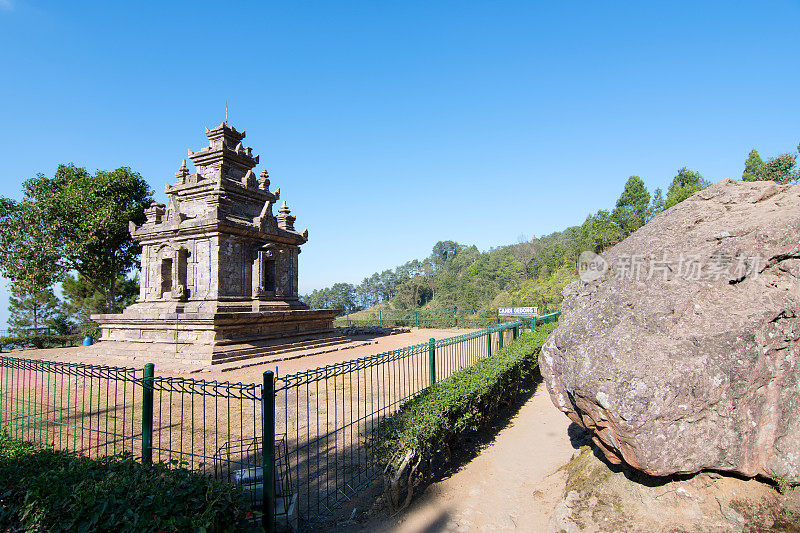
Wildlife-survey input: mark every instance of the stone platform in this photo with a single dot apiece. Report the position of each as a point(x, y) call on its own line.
point(215, 338)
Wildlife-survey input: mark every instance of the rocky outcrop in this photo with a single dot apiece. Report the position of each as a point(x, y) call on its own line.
point(680, 350)
point(370, 331)
point(600, 498)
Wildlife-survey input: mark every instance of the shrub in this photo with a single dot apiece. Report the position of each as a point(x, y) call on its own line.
point(39, 341)
point(430, 422)
point(91, 329)
point(46, 490)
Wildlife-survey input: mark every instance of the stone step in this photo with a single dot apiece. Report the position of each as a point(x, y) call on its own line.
point(238, 353)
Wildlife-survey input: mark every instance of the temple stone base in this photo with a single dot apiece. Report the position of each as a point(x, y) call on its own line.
point(213, 337)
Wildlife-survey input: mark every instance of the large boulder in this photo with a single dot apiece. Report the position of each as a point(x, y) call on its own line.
point(599, 498)
point(682, 351)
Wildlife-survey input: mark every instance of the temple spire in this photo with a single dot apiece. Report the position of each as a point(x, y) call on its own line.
point(285, 219)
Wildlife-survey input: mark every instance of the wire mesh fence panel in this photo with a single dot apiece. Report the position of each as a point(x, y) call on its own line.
point(88, 409)
point(329, 414)
point(459, 352)
point(211, 427)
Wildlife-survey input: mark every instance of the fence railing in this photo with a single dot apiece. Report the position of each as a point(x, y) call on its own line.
point(298, 445)
point(329, 413)
point(207, 426)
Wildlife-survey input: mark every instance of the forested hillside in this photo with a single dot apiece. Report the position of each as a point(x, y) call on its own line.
point(533, 271)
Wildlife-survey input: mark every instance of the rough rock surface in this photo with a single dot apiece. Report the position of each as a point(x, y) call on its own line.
point(354, 331)
point(599, 498)
point(684, 354)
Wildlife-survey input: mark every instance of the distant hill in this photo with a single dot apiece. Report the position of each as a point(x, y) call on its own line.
point(533, 271)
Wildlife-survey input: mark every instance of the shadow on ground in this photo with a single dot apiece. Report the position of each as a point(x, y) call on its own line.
point(369, 503)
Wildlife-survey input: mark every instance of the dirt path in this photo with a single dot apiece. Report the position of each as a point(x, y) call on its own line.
point(513, 485)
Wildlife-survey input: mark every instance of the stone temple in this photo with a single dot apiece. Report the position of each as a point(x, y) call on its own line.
point(218, 268)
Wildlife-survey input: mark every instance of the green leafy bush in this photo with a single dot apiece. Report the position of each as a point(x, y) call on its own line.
point(39, 341)
point(467, 399)
point(91, 329)
point(46, 490)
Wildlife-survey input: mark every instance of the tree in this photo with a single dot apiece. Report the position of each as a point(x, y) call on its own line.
point(631, 211)
point(342, 296)
point(753, 166)
point(31, 310)
point(524, 251)
point(780, 169)
point(82, 299)
point(443, 252)
point(598, 232)
point(22, 257)
point(656, 204)
point(79, 222)
point(685, 183)
point(413, 293)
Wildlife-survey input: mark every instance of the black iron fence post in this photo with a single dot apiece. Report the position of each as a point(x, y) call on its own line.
point(500, 335)
point(147, 414)
point(488, 342)
point(268, 451)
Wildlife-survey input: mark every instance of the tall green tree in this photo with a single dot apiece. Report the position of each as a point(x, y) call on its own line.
point(443, 252)
point(80, 223)
point(685, 183)
point(30, 266)
point(753, 166)
point(632, 206)
point(524, 251)
point(780, 169)
point(599, 231)
point(32, 310)
point(82, 299)
point(656, 204)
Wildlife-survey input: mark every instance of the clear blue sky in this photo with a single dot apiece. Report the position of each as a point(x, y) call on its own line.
point(391, 125)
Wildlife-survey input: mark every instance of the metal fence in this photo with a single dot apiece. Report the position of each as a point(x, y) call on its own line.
point(207, 426)
point(88, 409)
point(329, 413)
point(298, 445)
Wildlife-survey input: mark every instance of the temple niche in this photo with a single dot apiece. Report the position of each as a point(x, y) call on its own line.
point(219, 269)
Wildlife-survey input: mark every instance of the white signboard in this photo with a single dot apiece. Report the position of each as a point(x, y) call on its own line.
point(518, 311)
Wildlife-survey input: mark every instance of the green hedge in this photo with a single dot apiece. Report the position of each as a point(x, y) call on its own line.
point(467, 399)
point(46, 490)
point(39, 341)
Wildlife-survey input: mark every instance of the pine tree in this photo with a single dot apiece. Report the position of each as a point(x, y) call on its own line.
point(753, 167)
point(656, 204)
point(35, 310)
point(780, 169)
point(631, 211)
point(685, 183)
